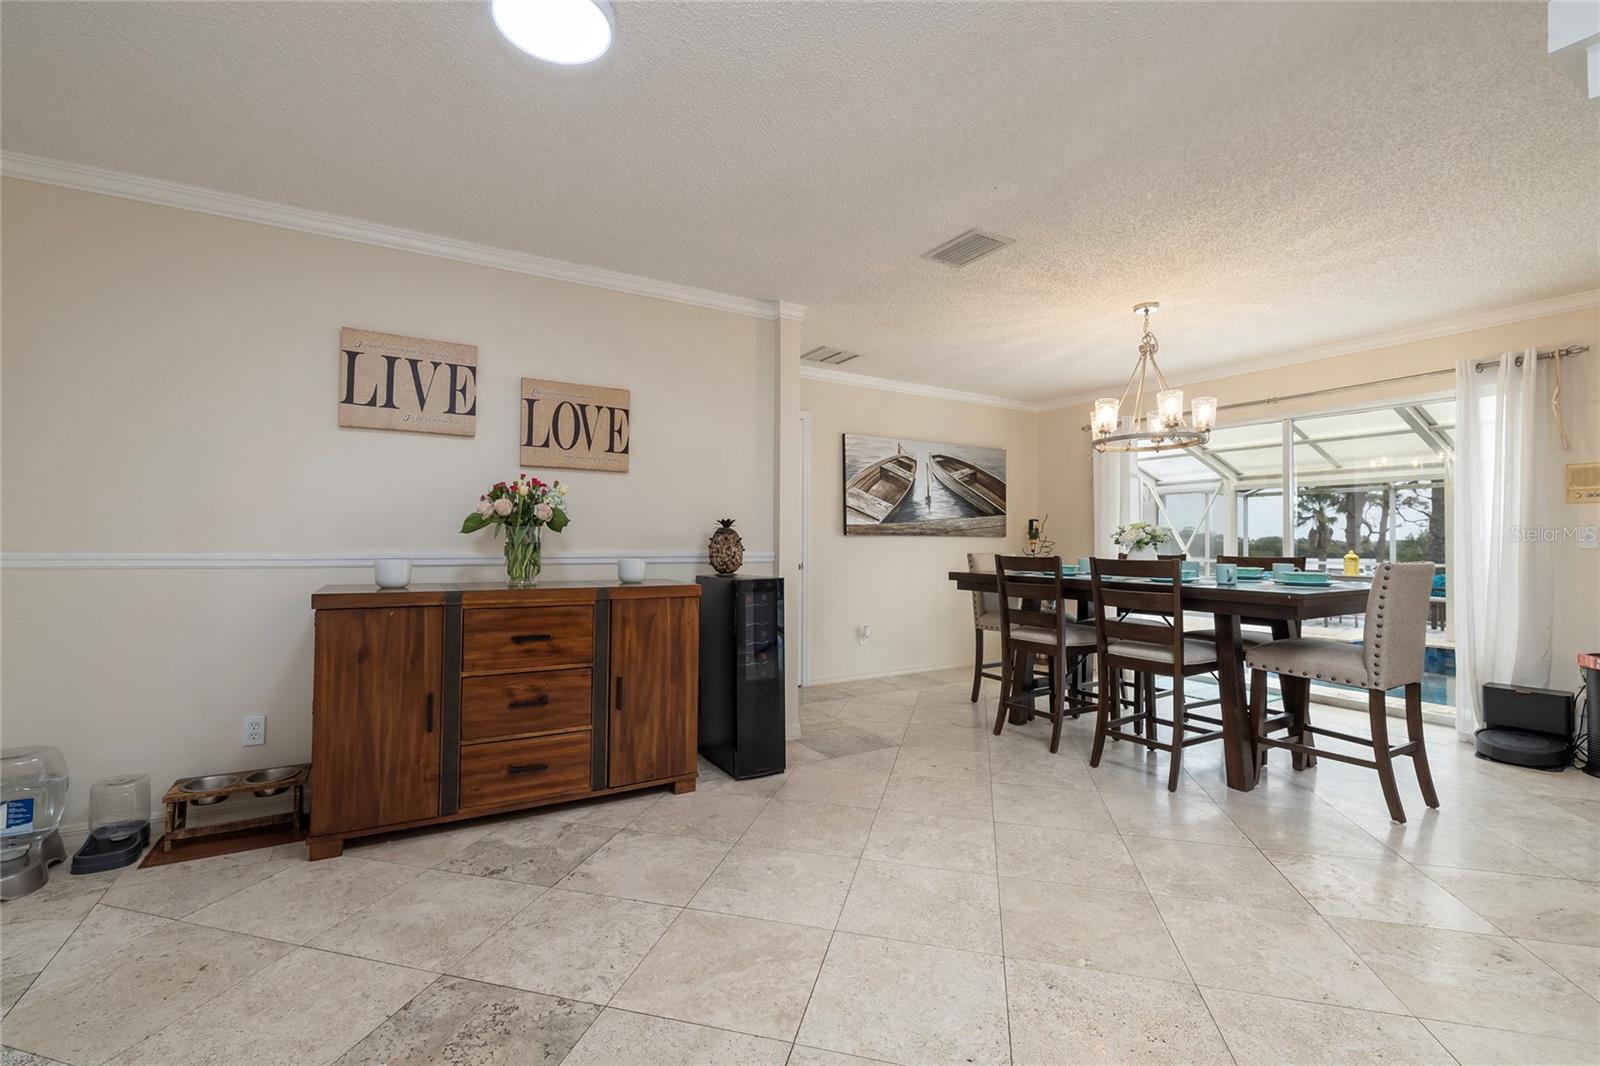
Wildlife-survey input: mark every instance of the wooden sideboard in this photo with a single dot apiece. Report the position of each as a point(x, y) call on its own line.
point(436, 703)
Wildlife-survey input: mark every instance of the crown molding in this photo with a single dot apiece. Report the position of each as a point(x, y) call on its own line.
point(271, 561)
point(246, 209)
point(911, 388)
point(1504, 316)
point(1369, 342)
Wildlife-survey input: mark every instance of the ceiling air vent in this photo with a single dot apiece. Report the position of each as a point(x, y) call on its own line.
point(968, 248)
point(833, 356)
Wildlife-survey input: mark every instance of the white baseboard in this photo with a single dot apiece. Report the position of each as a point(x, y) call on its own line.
point(836, 679)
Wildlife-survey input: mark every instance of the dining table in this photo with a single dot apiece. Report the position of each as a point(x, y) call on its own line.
point(1279, 607)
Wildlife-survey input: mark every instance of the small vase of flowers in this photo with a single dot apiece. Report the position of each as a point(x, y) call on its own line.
point(522, 507)
point(1141, 539)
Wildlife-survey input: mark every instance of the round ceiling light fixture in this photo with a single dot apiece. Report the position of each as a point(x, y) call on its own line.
point(568, 32)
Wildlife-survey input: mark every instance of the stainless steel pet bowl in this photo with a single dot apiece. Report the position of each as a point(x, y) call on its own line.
point(266, 777)
point(210, 781)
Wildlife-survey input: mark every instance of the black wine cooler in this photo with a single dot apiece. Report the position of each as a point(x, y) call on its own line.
point(741, 674)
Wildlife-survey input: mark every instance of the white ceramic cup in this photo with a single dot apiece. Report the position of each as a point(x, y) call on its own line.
point(392, 573)
point(630, 571)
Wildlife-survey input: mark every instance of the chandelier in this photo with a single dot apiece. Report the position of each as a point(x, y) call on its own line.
point(1165, 428)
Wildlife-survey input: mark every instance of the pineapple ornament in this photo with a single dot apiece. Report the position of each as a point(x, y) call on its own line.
point(725, 548)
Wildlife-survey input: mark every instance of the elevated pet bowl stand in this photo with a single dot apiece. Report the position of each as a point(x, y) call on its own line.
point(178, 798)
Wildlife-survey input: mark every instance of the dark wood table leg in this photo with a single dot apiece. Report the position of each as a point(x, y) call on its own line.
point(1237, 745)
point(1030, 689)
point(1296, 693)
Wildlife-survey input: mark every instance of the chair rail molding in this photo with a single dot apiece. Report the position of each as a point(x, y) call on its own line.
point(330, 561)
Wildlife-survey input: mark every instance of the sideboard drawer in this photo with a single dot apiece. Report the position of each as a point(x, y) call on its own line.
point(508, 772)
point(505, 705)
point(525, 638)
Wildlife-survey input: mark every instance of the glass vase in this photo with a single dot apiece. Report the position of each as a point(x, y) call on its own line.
point(522, 556)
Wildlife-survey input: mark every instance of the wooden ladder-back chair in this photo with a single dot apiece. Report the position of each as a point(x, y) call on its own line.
point(1127, 639)
point(1034, 622)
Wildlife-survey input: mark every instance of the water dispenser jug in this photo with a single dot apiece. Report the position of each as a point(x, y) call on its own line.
point(33, 789)
point(119, 824)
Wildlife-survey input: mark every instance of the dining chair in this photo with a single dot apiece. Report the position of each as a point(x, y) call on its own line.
point(1124, 598)
point(1253, 636)
point(985, 619)
point(1389, 656)
point(1034, 623)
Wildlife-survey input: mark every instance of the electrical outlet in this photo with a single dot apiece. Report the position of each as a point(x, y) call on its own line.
point(255, 730)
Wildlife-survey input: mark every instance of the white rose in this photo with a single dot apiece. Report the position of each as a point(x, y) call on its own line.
point(486, 508)
point(543, 512)
point(502, 507)
point(562, 489)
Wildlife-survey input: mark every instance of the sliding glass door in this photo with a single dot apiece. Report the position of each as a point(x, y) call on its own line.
point(1368, 481)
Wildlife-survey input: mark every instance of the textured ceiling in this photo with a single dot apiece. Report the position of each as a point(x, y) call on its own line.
point(1278, 175)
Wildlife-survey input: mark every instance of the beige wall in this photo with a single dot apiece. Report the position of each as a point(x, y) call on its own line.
point(1065, 475)
point(897, 585)
point(169, 387)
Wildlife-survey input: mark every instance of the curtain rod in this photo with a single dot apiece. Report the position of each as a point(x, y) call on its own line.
point(1479, 367)
point(1552, 353)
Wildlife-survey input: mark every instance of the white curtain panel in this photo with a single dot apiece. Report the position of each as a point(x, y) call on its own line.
point(1500, 573)
point(1116, 495)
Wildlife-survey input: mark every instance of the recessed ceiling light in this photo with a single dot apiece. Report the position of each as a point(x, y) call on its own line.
point(569, 32)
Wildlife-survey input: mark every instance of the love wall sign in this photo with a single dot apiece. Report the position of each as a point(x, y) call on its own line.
point(581, 427)
point(391, 382)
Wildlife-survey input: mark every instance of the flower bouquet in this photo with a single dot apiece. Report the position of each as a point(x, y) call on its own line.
point(1141, 539)
point(523, 507)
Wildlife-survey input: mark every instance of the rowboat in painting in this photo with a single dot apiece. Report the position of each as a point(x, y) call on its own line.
point(881, 487)
point(972, 483)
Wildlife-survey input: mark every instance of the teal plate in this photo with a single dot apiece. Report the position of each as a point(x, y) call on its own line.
point(1311, 580)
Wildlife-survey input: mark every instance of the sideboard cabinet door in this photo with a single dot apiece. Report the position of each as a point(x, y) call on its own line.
point(375, 736)
point(654, 689)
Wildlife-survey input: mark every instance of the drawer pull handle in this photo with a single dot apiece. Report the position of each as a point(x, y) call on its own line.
point(530, 638)
point(430, 712)
point(528, 768)
point(541, 700)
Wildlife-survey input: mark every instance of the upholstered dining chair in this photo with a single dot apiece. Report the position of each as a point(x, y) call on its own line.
point(1128, 638)
point(985, 619)
point(1034, 625)
point(1389, 656)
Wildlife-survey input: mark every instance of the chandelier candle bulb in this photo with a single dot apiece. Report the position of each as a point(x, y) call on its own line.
point(1169, 404)
point(1107, 416)
point(1203, 413)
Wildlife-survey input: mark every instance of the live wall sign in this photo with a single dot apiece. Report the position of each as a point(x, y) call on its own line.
point(409, 383)
point(582, 427)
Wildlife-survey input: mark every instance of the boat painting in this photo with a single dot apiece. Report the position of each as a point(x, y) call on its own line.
point(972, 483)
point(878, 490)
point(950, 490)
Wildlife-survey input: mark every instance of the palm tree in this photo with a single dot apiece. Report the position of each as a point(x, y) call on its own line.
point(1319, 509)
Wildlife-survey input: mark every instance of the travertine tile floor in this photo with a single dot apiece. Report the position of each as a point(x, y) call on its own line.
point(913, 890)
